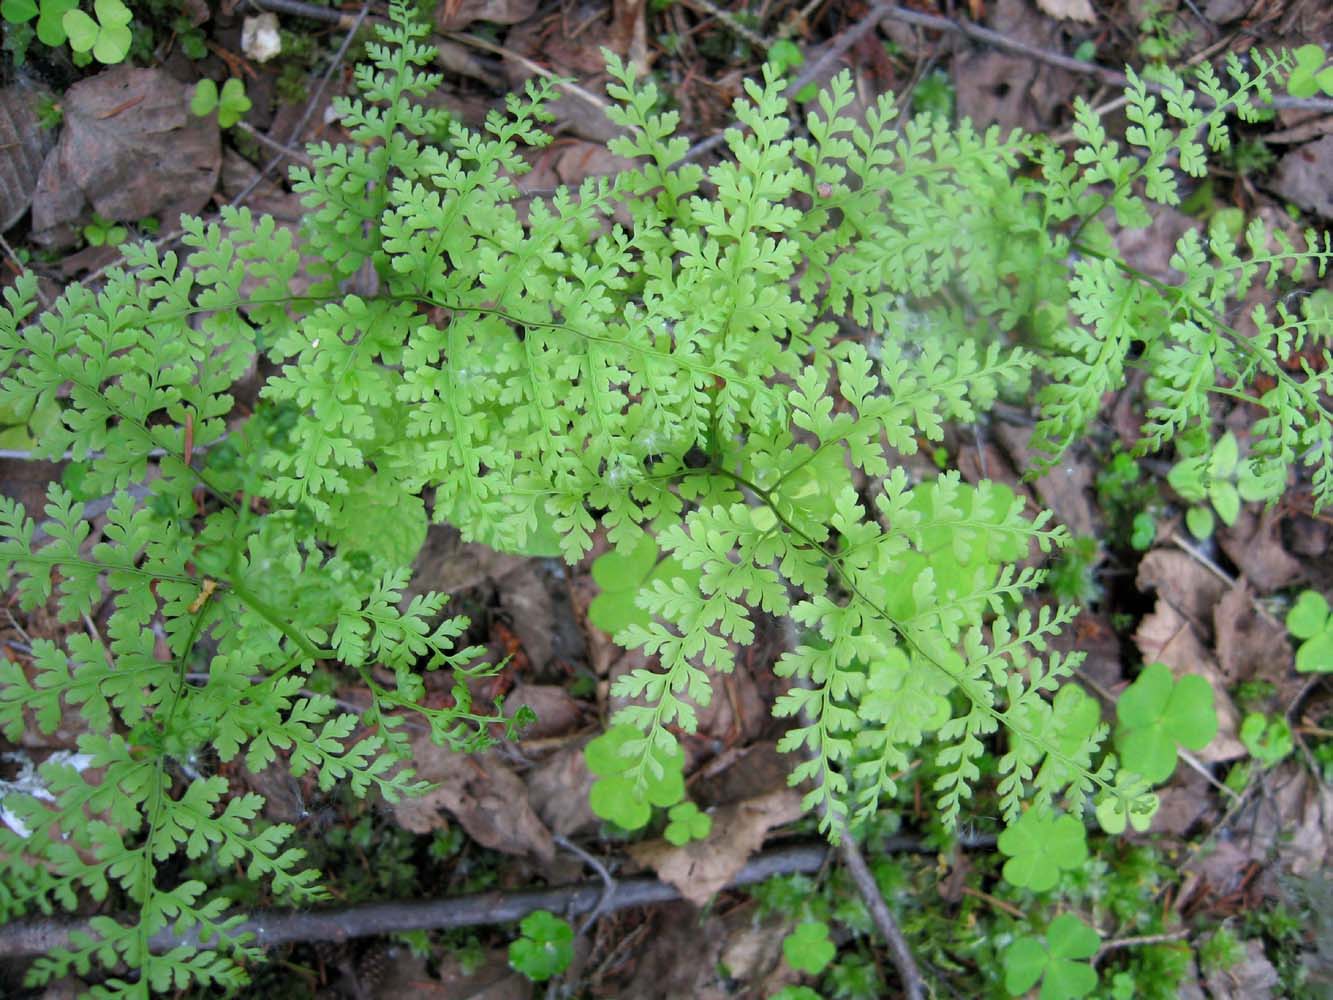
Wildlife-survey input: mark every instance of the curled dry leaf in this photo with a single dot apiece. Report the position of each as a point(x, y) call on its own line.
point(488, 800)
point(702, 867)
point(1182, 582)
point(1068, 10)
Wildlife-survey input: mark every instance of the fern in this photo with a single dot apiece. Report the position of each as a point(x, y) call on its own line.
point(730, 358)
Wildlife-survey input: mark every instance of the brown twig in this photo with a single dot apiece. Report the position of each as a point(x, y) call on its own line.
point(272, 928)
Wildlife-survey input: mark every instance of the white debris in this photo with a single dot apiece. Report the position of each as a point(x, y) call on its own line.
point(260, 40)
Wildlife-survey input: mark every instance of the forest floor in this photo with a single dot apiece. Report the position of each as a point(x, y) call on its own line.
point(1235, 861)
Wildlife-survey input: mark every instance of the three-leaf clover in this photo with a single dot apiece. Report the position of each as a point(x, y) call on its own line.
point(808, 948)
point(545, 948)
point(624, 571)
point(1224, 480)
point(1156, 713)
point(1041, 845)
point(1310, 75)
point(108, 36)
point(1056, 961)
point(1309, 619)
point(231, 103)
point(104, 232)
point(1127, 803)
point(1268, 740)
point(1143, 531)
point(687, 823)
point(618, 795)
point(50, 17)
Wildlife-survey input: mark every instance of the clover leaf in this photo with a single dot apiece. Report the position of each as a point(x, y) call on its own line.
point(108, 36)
point(624, 571)
point(231, 103)
point(1268, 740)
point(104, 232)
point(1040, 846)
point(617, 795)
point(1309, 619)
point(808, 948)
point(687, 823)
point(50, 17)
point(1156, 714)
point(1056, 961)
point(1309, 77)
point(1127, 803)
point(546, 947)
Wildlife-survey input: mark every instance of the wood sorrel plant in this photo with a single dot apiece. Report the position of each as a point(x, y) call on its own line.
point(734, 370)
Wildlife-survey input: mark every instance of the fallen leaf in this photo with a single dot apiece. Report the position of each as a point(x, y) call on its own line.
point(458, 14)
point(130, 149)
point(1305, 176)
point(1065, 489)
point(23, 146)
point(1294, 820)
point(700, 868)
point(1165, 636)
point(558, 790)
point(1184, 583)
point(1254, 545)
point(489, 801)
point(1069, 10)
point(1249, 644)
point(557, 713)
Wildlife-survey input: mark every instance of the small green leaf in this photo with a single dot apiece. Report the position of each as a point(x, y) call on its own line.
point(1157, 713)
point(1040, 846)
point(1226, 501)
point(80, 29)
point(1315, 655)
point(808, 948)
point(785, 54)
point(1309, 615)
point(205, 97)
point(1226, 453)
point(1268, 740)
point(545, 948)
point(18, 11)
point(687, 823)
point(51, 23)
point(1200, 522)
point(232, 103)
point(1057, 961)
point(1143, 531)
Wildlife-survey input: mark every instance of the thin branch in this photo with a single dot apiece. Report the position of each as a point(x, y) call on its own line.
point(607, 881)
point(278, 927)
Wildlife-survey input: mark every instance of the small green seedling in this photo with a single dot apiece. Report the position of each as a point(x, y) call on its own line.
point(107, 36)
point(1268, 740)
point(1224, 481)
point(104, 232)
point(231, 103)
point(1309, 620)
point(808, 948)
point(1057, 961)
point(50, 16)
point(687, 823)
point(545, 948)
point(1156, 714)
point(935, 95)
point(1040, 846)
point(617, 794)
point(621, 573)
point(1310, 74)
point(1143, 531)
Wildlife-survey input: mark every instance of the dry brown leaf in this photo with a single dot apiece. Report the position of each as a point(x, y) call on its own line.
point(1249, 644)
point(557, 713)
point(1253, 544)
point(1294, 820)
point(702, 867)
point(558, 791)
point(1305, 176)
point(488, 800)
point(456, 15)
point(1065, 489)
point(130, 148)
point(1069, 10)
point(1184, 583)
point(23, 146)
point(1165, 636)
